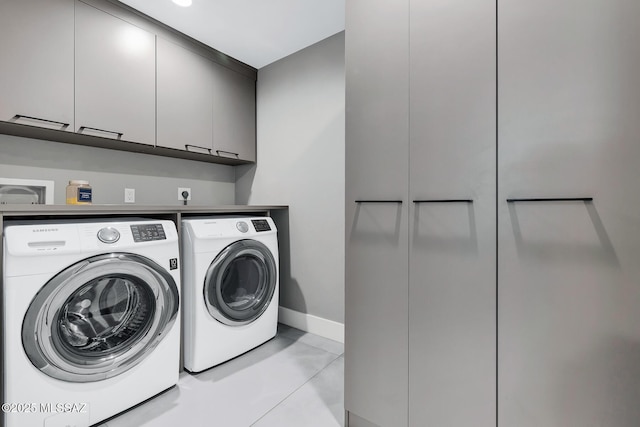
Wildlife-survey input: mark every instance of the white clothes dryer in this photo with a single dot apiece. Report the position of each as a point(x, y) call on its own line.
point(91, 318)
point(230, 287)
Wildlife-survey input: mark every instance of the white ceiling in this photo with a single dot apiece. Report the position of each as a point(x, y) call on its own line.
point(256, 32)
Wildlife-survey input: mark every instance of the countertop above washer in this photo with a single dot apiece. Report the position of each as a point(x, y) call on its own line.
point(64, 210)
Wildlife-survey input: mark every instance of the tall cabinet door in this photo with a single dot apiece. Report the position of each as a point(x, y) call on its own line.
point(36, 76)
point(376, 211)
point(569, 270)
point(185, 99)
point(114, 77)
point(452, 287)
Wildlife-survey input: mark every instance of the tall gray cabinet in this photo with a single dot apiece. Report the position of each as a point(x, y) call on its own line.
point(569, 270)
point(420, 214)
point(452, 186)
point(492, 273)
point(377, 135)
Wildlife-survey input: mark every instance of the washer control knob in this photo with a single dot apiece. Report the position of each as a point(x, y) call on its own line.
point(108, 235)
point(242, 226)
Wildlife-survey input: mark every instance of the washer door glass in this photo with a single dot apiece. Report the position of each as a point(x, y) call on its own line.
point(240, 282)
point(99, 317)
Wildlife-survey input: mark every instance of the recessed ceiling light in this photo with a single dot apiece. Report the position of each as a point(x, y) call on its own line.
point(183, 3)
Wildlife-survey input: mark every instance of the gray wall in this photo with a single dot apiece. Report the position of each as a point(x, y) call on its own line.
point(156, 179)
point(300, 130)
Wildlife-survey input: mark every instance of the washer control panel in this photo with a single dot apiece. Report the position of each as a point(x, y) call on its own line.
point(242, 226)
point(147, 232)
point(261, 225)
point(108, 235)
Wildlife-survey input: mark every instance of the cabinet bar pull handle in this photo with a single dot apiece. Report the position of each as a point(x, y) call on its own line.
point(22, 116)
point(553, 199)
point(186, 147)
point(444, 201)
point(118, 134)
point(228, 152)
point(379, 201)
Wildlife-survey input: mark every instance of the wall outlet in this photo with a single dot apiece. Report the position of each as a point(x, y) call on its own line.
point(180, 196)
point(129, 195)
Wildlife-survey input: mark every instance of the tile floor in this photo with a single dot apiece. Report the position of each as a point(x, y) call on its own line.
point(295, 379)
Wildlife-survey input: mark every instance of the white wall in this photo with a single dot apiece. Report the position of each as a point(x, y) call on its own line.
point(300, 131)
point(156, 179)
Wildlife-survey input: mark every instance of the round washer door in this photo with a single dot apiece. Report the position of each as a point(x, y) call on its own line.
point(99, 317)
point(240, 282)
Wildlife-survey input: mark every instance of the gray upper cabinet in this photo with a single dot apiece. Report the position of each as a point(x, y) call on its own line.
point(377, 161)
point(114, 77)
point(234, 101)
point(89, 67)
point(204, 107)
point(185, 99)
point(452, 286)
point(569, 322)
point(36, 76)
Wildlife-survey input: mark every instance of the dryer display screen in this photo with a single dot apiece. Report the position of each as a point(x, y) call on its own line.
point(261, 225)
point(147, 232)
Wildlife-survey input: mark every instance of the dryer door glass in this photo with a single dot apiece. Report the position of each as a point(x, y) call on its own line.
point(99, 317)
point(240, 282)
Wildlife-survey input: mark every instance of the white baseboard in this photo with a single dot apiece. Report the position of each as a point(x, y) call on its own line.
point(312, 324)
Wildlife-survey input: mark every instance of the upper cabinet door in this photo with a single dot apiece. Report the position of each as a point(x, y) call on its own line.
point(569, 128)
point(234, 127)
point(185, 99)
point(452, 286)
point(36, 76)
point(115, 77)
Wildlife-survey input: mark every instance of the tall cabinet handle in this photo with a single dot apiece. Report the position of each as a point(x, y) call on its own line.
point(443, 201)
point(22, 116)
point(379, 201)
point(553, 199)
point(186, 147)
point(118, 134)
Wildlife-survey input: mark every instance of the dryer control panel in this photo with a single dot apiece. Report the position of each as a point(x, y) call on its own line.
point(147, 232)
point(261, 225)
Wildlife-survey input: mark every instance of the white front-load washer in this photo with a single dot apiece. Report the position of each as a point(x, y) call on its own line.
point(91, 318)
point(230, 287)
